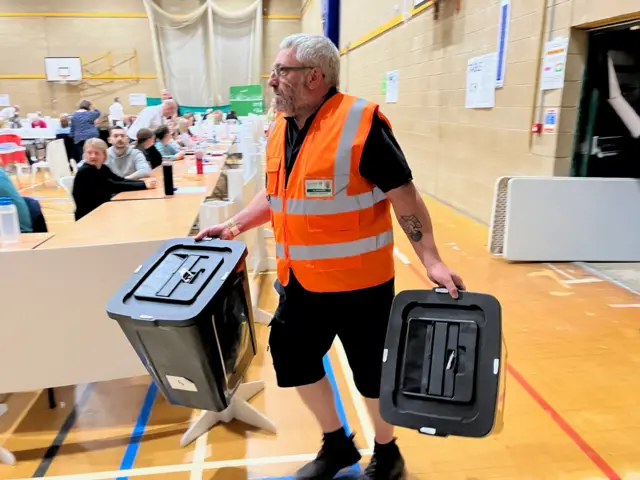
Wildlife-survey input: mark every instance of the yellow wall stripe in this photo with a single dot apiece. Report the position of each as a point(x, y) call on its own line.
point(282, 17)
point(112, 15)
point(384, 28)
point(23, 76)
point(74, 14)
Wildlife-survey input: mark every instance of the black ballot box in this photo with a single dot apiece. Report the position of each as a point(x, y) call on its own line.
point(187, 312)
point(444, 364)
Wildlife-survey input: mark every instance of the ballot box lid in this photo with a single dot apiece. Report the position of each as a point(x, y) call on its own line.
point(178, 282)
point(442, 363)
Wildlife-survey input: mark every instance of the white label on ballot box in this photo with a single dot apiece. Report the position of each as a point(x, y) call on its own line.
point(181, 383)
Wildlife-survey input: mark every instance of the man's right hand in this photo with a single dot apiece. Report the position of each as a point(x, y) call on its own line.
point(220, 231)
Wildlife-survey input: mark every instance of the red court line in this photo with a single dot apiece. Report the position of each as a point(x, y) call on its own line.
point(582, 444)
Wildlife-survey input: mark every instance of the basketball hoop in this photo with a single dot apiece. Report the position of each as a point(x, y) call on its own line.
point(63, 74)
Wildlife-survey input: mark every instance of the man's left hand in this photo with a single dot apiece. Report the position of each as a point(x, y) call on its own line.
point(442, 276)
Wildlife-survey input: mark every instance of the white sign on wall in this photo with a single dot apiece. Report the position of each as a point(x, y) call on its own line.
point(554, 64)
point(4, 100)
point(550, 120)
point(481, 81)
point(392, 87)
point(138, 99)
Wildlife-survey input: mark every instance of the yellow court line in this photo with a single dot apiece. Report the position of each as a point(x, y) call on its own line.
point(74, 14)
point(384, 28)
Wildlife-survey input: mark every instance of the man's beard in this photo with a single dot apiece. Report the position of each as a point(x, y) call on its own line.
point(284, 105)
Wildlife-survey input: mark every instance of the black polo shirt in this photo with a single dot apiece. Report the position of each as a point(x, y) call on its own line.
point(382, 163)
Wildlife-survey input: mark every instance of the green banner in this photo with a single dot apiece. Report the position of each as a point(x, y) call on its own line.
point(151, 101)
point(245, 93)
point(246, 99)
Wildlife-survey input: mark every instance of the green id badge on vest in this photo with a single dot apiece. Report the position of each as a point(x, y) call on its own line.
point(318, 188)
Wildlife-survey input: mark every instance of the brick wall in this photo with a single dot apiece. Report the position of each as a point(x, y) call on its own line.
point(457, 154)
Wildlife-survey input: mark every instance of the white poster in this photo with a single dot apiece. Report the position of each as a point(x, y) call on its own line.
point(139, 99)
point(481, 81)
point(392, 87)
point(554, 64)
point(550, 120)
point(503, 41)
point(4, 100)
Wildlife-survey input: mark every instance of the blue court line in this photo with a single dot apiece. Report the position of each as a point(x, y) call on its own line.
point(54, 448)
point(138, 431)
point(328, 368)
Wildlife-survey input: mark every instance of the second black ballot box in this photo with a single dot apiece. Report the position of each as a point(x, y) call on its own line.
point(444, 362)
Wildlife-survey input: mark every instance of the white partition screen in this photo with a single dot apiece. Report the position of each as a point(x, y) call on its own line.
point(66, 337)
point(566, 219)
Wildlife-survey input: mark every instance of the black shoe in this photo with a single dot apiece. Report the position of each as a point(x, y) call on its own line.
point(386, 463)
point(338, 451)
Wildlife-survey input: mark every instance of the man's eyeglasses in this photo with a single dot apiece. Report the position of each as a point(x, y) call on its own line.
point(280, 69)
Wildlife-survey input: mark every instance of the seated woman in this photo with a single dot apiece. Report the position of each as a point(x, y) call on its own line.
point(8, 189)
point(145, 140)
point(95, 183)
point(166, 145)
point(184, 134)
point(38, 122)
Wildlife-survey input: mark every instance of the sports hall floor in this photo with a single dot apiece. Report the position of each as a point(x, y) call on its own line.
point(572, 396)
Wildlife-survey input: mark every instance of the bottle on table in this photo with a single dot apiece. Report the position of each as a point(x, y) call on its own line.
point(199, 161)
point(167, 172)
point(9, 224)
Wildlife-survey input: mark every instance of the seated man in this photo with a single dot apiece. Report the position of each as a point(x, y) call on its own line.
point(166, 145)
point(123, 159)
point(95, 183)
point(8, 189)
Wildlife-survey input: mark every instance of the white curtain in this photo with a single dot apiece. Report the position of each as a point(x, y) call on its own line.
point(201, 49)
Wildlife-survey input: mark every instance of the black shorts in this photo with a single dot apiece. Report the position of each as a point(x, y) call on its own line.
point(306, 323)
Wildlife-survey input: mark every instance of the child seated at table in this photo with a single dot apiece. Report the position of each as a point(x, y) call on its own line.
point(145, 142)
point(166, 145)
point(95, 183)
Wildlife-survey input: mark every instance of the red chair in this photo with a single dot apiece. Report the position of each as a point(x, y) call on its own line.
point(18, 156)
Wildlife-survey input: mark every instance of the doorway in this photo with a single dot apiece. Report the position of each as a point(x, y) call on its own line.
point(608, 131)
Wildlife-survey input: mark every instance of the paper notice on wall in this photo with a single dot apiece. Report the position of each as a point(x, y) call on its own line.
point(138, 99)
point(392, 87)
point(550, 120)
point(4, 100)
point(554, 64)
point(481, 81)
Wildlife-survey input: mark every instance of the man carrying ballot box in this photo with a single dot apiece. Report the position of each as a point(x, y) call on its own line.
point(334, 169)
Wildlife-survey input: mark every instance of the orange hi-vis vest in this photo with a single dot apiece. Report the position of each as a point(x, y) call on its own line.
point(332, 226)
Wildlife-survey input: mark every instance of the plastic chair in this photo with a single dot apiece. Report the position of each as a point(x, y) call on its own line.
point(67, 184)
point(55, 161)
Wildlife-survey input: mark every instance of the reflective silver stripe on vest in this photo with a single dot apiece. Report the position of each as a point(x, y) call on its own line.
point(275, 203)
point(341, 202)
point(337, 250)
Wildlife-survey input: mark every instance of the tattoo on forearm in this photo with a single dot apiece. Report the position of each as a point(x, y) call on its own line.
point(411, 226)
